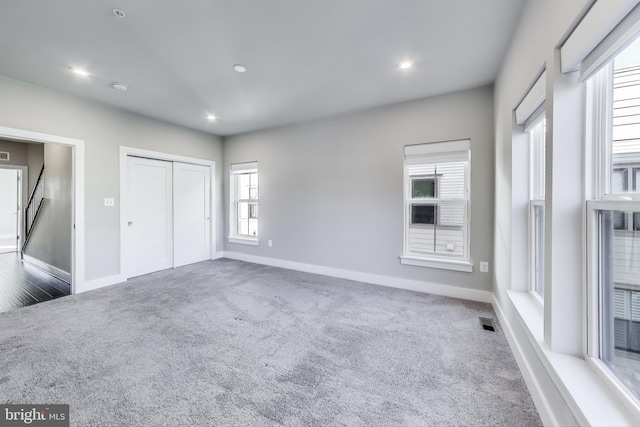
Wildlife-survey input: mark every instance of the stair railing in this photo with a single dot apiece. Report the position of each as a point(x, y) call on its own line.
point(33, 207)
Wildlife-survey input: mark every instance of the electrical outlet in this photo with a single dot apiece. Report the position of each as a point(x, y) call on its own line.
point(270, 243)
point(484, 267)
point(109, 201)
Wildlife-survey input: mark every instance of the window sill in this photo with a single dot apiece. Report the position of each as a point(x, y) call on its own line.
point(591, 400)
point(444, 264)
point(244, 240)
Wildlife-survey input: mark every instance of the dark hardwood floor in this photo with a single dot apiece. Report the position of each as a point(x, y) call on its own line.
point(22, 284)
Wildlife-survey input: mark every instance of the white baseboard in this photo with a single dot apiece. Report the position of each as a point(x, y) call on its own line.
point(90, 285)
point(49, 269)
point(217, 255)
point(537, 394)
point(393, 282)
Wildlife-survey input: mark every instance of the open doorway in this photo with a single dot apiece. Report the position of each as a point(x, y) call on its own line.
point(10, 207)
point(74, 179)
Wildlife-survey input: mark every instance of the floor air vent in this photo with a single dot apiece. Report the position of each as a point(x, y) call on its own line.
point(487, 324)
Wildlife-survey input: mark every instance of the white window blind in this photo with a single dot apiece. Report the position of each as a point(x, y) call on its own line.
point(531, 106)
point(596, 28)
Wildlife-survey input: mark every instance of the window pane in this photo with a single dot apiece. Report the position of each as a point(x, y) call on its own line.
point(619, 220)
point(537, 234)
point(243, 183)
point(620, 289)
point(449, 231)
point(619, 181)
point(253, 186)
point(423, 214)
point(636, 180)
point(243, 219)
point(625, 148)
point(423, 187)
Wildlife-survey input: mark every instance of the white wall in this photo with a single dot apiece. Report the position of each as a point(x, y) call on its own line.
point(331, 191)
point(104, 130)
point(50, 239)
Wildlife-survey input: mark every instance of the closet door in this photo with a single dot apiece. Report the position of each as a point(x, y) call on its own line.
point(149, 218)
point(192, 213)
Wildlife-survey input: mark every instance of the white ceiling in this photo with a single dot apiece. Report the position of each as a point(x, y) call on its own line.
point(305, 59)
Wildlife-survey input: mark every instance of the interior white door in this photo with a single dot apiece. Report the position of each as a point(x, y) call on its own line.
point(191, 213)
point(149, 227)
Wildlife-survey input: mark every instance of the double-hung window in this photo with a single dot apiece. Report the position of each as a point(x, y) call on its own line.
point(436, 205)
point(536, 133)
point(613, 217)
point(243, 227)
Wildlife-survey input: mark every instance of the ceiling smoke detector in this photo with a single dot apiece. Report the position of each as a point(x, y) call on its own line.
point(240, 68)
point(118, 13)
point(120, 86)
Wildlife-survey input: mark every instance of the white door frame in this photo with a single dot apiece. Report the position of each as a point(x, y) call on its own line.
point(77, 220)
point(24, 198)
point(124, 180)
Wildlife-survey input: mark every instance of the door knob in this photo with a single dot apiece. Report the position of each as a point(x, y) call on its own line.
point(130, 224)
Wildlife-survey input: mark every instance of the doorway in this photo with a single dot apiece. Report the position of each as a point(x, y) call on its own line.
point(165, 211)
point(77, 199)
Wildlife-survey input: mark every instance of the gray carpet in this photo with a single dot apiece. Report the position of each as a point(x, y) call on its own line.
point(232, 343)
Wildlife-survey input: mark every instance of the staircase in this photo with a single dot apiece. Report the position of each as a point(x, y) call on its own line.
point(33, 207)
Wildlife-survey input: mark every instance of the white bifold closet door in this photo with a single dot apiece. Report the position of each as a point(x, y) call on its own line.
point(191, 213)
point(168, 215)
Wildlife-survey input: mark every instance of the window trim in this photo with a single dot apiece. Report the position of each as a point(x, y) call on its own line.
point(599, 196)
point(233, 236)
point(429, 153)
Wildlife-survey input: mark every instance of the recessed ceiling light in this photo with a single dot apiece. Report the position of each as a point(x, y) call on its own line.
point(80, 72)
point(120, 86)
point(406, 64)
point(118, 13)
point(211, 117)
point(240, 68)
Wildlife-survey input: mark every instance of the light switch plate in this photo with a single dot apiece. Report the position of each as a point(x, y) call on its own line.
point(484, 267)
point(109, 201)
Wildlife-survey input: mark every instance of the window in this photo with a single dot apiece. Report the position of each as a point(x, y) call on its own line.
point(536, 205)
point(243, 227)
point(614, 217)
point(436, 229)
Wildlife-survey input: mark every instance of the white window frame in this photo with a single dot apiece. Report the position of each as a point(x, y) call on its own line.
point(234, 237)
point(537, 138)
point(433, 153)
point(600, 197)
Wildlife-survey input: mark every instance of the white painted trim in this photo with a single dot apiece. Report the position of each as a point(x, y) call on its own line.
point(8, 236)
point(584, 393)
point(535, 389)
point(91, 285)
point(375, 279)
point(77, 240)
point(443, 264)
point(47, 268)
point(157, 155)
point(217, 255)
point(244, 241)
